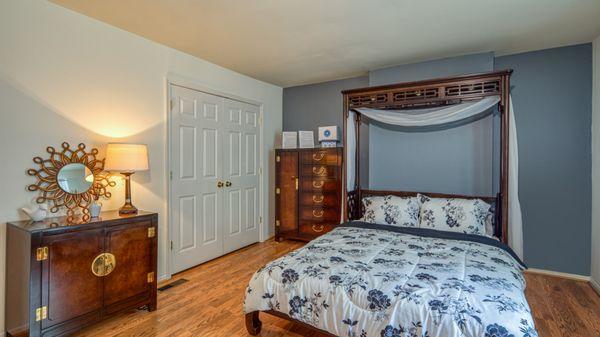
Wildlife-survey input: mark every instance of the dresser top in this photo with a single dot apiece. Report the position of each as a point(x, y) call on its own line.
point(58, 223)
point(308, 149)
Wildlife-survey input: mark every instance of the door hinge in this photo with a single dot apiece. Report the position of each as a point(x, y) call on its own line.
point(171, 175)
point(171, 245)
point(260, 171)
point(42, 253)
point(151, 277)
point(277, 190)
point(171, 104)
point(277, 224)
point(260, 219)
point(41, 313)
point(260, 120)
point(278, 159)
point(151, 232)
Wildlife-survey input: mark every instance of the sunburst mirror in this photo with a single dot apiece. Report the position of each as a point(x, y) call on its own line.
point(72, 178)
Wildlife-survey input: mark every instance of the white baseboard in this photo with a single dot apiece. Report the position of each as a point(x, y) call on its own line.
point(163, 278)
point(595, 284)
point(558, 274)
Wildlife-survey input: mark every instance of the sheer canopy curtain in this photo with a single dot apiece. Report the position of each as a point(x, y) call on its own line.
point(445, 115)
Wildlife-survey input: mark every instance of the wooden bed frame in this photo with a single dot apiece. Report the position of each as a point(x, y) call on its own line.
point(435, 92)
point(428, 93)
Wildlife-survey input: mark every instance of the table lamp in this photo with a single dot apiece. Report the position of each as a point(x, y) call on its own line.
point(126, 159)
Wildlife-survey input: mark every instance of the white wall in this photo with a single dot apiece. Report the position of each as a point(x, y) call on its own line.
point(596, 167)
point(67, 77)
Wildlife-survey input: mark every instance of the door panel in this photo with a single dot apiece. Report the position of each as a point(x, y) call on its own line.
point(196, 157)
point(131, 247)
point(69, 288)
point(241, 199)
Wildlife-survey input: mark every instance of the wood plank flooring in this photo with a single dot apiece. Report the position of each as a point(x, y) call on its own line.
point(210, 304)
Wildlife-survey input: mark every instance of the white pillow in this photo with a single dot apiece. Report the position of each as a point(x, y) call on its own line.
point(454, 215)
point(391, 210)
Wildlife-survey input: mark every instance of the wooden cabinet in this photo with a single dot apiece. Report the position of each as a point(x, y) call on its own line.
point(308, 192)
point(62, 277)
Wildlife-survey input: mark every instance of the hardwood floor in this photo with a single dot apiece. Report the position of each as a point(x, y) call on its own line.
point(210, 304)
point(563, 307)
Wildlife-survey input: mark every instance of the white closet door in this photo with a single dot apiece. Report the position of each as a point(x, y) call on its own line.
point(213, 139)
point(241, 200)
point(196, 157)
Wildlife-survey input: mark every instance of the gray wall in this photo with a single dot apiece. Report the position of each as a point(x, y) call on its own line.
point(552, 97)
point(552, 92)
point(451, 160)
point(307, 107)
point(451, 66)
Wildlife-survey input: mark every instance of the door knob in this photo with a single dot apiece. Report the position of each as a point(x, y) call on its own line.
point(220, 184)
point(228, 183)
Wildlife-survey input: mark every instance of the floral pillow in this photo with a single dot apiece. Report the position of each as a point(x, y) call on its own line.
point(391, 210)
point(454, 215)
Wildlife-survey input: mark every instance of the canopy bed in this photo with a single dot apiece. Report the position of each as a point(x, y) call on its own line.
point(438, 101)
point(410, 263)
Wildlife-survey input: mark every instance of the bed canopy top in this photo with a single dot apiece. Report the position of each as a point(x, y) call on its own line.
point(435, 102)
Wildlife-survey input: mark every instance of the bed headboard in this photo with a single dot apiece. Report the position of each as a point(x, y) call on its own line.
point(355, 208)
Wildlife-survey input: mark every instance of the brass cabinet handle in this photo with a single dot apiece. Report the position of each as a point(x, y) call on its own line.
point(104, 264)
point(317, 214)
point(227, 183)
point(318, 199)
point(219, 184)
point(318, 228)
point(296, 183)
point(321, 171)
point(318, 156)
point(318, 184)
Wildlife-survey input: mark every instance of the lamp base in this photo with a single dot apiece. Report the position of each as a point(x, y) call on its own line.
point(128, 207)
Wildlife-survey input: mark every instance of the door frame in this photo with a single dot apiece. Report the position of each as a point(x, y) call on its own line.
point(181, 81)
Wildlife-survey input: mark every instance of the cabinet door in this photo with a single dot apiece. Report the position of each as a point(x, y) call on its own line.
point(69, 288)
point(133, 249)
point(287, 182)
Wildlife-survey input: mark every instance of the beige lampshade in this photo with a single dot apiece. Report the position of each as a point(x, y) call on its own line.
point(122, 157)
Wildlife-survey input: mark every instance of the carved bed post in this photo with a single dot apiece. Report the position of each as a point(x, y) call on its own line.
point(357, 186)
point(345, 161)
point(253, 323)
point(504, 154)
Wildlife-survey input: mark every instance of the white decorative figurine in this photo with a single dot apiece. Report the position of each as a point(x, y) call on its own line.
point(37, 212)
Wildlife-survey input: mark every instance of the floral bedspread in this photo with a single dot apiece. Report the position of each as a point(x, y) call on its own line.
point(367, 282)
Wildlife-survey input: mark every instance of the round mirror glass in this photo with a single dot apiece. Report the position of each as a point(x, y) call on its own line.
point(75, 178)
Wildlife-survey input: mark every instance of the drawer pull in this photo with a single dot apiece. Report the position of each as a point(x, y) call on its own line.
point(318, 156)
point(296, 182)
point(317, 214)
point(318, 199)
point(321, 171)
point(318, 228)
point(104, 264)
point(318, 184)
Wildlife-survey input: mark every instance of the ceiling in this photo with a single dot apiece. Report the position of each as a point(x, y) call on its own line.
point(294, 42)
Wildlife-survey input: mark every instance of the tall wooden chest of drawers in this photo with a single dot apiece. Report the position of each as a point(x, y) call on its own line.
point(308, 192)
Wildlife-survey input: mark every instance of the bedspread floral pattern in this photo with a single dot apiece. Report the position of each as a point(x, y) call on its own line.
point(360, 282)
